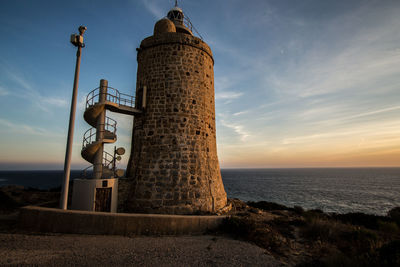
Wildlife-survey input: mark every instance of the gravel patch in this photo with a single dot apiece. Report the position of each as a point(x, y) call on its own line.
point(87, 250)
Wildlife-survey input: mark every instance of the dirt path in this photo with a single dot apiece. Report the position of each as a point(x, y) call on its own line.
point(61, 250)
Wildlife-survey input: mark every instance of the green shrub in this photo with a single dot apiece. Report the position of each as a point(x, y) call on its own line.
point(299, 210)
point(340, 259)
point(283, 226)
point(389, 254)
point(260, 233)
point(240, 227)
point(388, 227)
point(55, 189)
point(7, 204)
point(367, 220)
point(315, 214)
point(270, 240)
point(395, 215)
point(317, 228)
point(267, 206)
point(358, 241)
point(347, 238)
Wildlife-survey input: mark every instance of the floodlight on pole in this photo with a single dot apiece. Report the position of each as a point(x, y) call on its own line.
point(76, 40)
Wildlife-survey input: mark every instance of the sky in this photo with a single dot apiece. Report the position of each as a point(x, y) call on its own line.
point(298, 83)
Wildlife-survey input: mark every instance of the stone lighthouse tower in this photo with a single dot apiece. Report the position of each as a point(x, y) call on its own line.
point(173, 164)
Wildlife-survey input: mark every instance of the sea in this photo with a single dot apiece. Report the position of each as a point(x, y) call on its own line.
point(339, 190)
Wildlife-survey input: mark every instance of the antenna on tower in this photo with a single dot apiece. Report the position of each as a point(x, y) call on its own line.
point(176, 3)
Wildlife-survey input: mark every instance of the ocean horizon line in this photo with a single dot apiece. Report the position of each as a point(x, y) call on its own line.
point(234, 168)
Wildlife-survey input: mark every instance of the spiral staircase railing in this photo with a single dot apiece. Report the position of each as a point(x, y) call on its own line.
point(89, 137)
point(108, 160)
point(98, 101)
point(112, 95)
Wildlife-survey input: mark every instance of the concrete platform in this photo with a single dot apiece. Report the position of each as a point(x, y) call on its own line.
point(49, 220)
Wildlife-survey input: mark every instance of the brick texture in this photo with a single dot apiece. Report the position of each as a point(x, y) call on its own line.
point(173, 166)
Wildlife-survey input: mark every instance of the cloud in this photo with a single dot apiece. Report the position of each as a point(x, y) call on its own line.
point(383, 110)
point(59, 102)
point(341, 73)
point(28, 92)
point(333, 90)
point(124, 122)
point(352, 58)
point(81, 103)
point(7, 125)
point(241, 112)
point(238, 129)
point(18, 79)
point(228, 95)
point(3, 91)
point(226, 82)
point(154, 7)
point(388, 131)
point(346, 114)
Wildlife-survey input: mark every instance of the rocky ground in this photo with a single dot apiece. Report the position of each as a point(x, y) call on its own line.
point(256, 234)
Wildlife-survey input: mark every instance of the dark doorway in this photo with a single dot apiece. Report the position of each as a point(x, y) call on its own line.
point(103, 199)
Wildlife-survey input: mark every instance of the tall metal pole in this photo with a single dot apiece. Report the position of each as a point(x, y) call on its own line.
point(76, 40)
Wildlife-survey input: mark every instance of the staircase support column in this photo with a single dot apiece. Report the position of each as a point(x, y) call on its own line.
point(100, 128)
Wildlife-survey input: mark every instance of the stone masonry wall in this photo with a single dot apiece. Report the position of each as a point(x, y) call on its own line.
point(173, 164)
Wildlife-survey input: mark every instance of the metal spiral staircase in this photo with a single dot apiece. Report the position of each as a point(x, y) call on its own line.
point(104, 128)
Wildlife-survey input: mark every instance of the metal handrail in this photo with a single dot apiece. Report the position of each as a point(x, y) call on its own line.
point(90, 135)
point(108, 160)
point(83, 172)
point(91, 96)
point(112, 95)
point(111, 125)
point(87, 137)
point(190, 26)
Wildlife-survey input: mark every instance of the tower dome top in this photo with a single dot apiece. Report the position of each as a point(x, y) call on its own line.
point(176, 15)
point(178, 18)
point(176, 8)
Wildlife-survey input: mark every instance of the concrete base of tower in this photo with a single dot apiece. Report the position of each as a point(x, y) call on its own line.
point(48, 220)
point(95, 195)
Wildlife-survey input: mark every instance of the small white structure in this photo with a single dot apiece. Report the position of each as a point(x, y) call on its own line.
point(95, 195)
